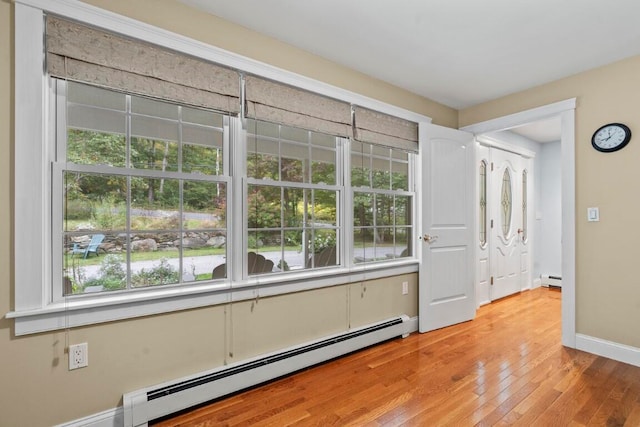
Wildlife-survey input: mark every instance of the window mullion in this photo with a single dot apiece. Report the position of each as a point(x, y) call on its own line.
point(346, 198)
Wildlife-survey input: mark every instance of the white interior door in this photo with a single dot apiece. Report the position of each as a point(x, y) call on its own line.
point(446, 282)
point(506, 219)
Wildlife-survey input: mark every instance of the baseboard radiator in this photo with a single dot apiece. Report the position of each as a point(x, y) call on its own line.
point(144, 405)
point(551, 281)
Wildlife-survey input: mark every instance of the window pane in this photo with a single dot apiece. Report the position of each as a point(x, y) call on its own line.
point(154, 154)
point(402, 246)
point(384, 243)
point(92, 148)
point(524, 206)
point(202, 159)
point(385, 210)
point(293, 163)
point(202, 117)
point(506, 203)
point(400, 176)
point(294, 134)
point(153, 108)
point(403, 210)
point(78, 93)
point(360, 170)
point(363, 250)
point(323, 166)
point(94, 202)
point(105, 271)
point(264, 207)
point(155, 259)
point(295, 206)
point(324, 208)
point(362, 209)
point(155, 204)
point(323, 249)
point(483, 203)
point(293, 251)
point(204, 205)
point(381, 173)
point(262, 159)
point(268, 246)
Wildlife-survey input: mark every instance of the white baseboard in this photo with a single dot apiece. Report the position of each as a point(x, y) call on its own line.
point(109, 418)
point(537, 283)
point(413, 324)
point(609, 349)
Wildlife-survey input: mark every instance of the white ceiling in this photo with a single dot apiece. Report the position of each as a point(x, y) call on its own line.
point(456, 52)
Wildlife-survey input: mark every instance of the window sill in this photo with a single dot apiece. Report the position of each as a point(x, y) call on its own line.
point(106, 308)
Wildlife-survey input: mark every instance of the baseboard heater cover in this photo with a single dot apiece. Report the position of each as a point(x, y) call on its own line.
point(147, 404)
point(551, 281)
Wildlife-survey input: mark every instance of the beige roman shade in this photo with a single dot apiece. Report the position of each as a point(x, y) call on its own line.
point(279, 103)
point(383, 129)
point(80, 53)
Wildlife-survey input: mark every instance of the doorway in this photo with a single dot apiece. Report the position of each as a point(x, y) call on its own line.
point(565, 110)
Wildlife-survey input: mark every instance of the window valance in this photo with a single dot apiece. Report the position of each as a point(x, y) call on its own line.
point(382, 129)
point(81, 53)
point(279, 103)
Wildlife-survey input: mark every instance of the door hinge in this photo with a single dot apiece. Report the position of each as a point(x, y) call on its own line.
point(491, 223)
point(491, 280)
point(491, 166)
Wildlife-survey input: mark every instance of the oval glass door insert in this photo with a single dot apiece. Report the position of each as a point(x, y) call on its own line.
point(505, 203)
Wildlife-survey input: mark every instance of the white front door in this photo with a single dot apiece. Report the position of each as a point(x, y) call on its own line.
point(505, 201)
point(446, 282)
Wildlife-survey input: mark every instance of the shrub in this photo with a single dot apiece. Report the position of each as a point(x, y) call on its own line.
point(160, 274)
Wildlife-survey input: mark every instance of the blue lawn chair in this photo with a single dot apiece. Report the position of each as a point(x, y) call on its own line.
point(93, 247)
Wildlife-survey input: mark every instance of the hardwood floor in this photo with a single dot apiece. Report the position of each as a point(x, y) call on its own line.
point(506, 367)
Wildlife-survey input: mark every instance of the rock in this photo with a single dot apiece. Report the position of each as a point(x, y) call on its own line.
point(217, 241)
point(191, 242)
point(144, 245)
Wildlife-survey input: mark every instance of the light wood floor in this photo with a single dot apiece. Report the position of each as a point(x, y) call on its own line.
point(506, 367)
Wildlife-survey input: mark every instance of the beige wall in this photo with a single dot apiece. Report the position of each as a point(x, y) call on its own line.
point(38, 389)
point(607, 289)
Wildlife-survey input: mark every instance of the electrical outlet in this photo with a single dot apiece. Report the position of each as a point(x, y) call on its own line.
point(405, 288)
point(78, 356)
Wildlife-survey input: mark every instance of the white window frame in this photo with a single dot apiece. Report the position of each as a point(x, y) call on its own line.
point(33, 308)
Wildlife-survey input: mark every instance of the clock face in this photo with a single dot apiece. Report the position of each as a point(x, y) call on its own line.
point(611, 137)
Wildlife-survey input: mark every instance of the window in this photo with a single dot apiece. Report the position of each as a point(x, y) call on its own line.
point(116, 157)
point(146, 176)
point(382, 202)
point(525, 190)
point(506, 203)
point(294, 185)
point(483, 203)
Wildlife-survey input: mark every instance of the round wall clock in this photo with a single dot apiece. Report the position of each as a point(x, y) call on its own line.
point(611, 137)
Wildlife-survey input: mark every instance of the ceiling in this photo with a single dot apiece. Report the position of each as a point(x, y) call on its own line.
point(459, 53)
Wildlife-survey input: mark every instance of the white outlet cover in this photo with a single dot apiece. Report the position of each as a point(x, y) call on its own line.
point(78, 356)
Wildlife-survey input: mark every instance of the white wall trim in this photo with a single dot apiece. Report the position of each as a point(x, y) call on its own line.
point(493, 142)
point(109, 418)
point(566, 110)
point(620, 352)
point(522, 117)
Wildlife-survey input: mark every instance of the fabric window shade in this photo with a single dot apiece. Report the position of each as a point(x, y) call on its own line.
point(274, 102)
point(382, 129)
point(80, 53)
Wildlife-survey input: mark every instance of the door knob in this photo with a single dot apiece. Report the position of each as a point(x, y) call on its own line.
point(429, 238)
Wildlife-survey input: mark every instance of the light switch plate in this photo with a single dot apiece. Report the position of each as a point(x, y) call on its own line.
point(593, 214)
